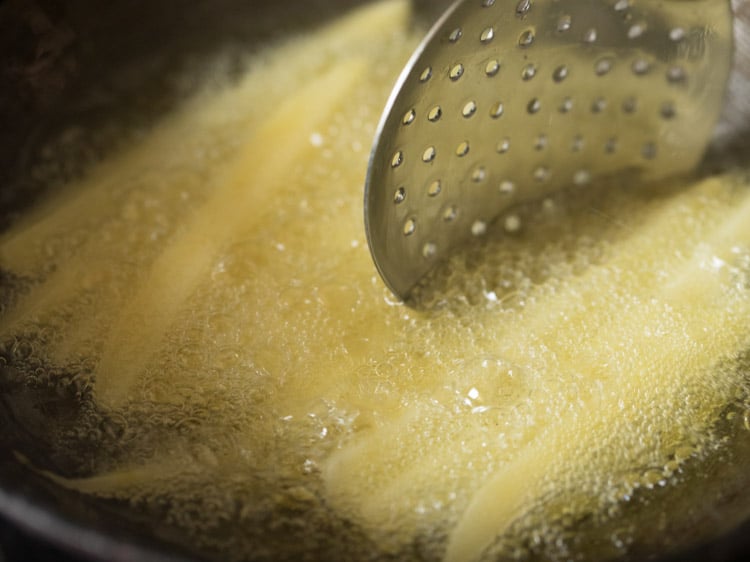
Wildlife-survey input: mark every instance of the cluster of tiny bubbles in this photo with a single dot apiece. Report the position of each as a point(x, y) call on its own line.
point(660, 472)
point(64, 157)
point(506, 263)
point(614, 520)
point(738, 267)
point(40, 392)
point(210, 380)
point(631, 501)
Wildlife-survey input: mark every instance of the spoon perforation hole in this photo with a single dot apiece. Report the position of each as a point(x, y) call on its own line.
point(456, 72)
point(636, 30)
point(668, 110)
point(582, 177)
point(487, 35)
point(410, 226)
point(429, 250)
point(435, 114)
point(641, 67)
point(630, 105)
point(603, 66)
point(560, 73)
point(677, 34)
point(512, 224)
point(649, 151)
point(564, 23)
point(496, 110)
point(434, 189)
point(598, 105)
point(621, 5)
point(523, 8)
point(479, 174)
point(528, 72)
point(450, 213)
point(507, 188)
point(479, 228)
point(541, 174)
point(527, 37)
point(676, 74)
point(492, 68)
point(469, 109)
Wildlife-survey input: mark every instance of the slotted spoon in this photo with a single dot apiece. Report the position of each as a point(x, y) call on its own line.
point(506, 101)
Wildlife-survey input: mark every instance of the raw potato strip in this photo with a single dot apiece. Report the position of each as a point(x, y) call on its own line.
point(259, 172)
point(695, 291)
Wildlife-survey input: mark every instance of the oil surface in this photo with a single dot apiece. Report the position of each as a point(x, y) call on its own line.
point(247, 377)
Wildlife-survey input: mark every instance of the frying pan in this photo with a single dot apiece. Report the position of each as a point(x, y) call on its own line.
point(95, 63)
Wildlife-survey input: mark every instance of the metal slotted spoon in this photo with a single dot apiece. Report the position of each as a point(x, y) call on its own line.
point(506, 101)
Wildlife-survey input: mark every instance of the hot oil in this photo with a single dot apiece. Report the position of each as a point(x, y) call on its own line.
point(576, 369)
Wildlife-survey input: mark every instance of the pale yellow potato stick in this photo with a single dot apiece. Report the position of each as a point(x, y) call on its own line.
point(21, 248)
point(117, 482)
point(695, 291)
point(584, 306)
point(245, 195)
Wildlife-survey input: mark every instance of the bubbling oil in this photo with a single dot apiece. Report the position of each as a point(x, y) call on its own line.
point(245, 376)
